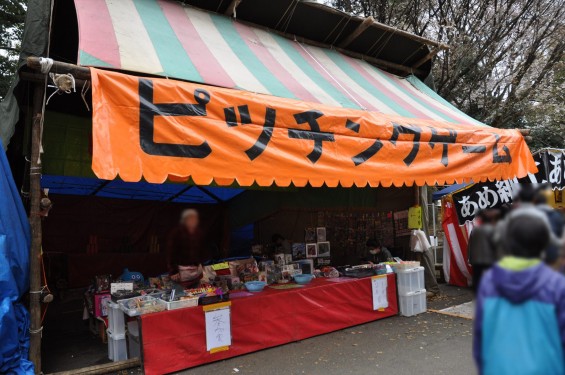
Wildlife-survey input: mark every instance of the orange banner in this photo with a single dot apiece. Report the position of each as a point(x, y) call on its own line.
point(158, 129)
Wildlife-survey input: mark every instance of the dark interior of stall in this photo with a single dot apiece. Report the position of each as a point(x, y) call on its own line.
point(90, 232)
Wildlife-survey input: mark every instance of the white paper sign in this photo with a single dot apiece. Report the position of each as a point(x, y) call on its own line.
point(379, 285)
point(218, 328)
point(114, 287)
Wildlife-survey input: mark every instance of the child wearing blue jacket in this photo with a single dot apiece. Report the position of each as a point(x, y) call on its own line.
point(520, 318)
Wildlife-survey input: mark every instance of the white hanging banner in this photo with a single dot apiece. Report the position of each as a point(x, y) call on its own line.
point(218, 327)
point(379, 286)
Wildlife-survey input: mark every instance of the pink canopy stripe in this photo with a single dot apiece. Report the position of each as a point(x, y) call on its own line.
point(207, 65)
point(97, 36)
point(456, 118)
point(340, 87)
point(264, 55)
point(389, 93)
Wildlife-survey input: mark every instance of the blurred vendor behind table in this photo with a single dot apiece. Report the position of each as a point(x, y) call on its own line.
point(279, 245)
point(186, 251)
point(376, 252)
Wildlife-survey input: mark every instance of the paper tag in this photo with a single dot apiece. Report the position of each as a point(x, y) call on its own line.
point(379, 286)
point(218, 329)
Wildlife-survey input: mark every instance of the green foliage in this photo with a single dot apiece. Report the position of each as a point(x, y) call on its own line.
point(12, 16)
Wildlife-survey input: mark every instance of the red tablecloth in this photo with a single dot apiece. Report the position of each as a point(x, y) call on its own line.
point(175, 340)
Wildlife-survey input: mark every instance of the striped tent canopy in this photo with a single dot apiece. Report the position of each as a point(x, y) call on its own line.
point(169, 39)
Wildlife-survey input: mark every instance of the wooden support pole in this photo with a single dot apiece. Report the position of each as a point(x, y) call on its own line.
point(35, 328)
point(230, 11)
point(429, 56)
point(77, 71)
point(83, 73)
point(411, 36)
point(367, 22)
point(525, 132)
point(103, 369)
point(40, 78)
point(379, 25)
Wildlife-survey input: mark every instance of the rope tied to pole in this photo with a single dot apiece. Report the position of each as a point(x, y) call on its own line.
point(65, 83)
point(45, 64)
point(36, 331)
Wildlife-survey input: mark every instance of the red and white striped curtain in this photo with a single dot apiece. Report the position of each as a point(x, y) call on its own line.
point(456, 267)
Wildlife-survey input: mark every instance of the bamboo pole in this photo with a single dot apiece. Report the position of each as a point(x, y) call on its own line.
point(102, 369)
point(77, 71)
point(230, 11)
point(367, 22)
point(384, 27)
point(429, 56)
point(37, 77)
point(525, 132)
point(35, 328)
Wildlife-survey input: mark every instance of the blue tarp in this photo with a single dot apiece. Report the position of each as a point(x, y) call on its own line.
point(14, 276)
point(171, 192)
point(448, 190)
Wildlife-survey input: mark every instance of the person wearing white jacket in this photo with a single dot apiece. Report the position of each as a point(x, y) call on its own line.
point(419, 243)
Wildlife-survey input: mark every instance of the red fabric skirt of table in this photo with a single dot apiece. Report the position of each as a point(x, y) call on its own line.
point(175, 340)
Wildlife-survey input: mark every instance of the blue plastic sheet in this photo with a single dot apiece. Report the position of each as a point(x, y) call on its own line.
point(170, 192)
point(448, 190)
point(14, 276)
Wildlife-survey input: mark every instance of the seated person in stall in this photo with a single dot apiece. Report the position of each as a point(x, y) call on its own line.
point(186, 251)
point(377, 253)
point(279, 245)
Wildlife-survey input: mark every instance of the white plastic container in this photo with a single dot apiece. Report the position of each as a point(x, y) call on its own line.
point(134, 347)
point(141, 305)
point(116, 321)
point(410, 280)
point(412, 303)
point(117, 347)
point(180, 304)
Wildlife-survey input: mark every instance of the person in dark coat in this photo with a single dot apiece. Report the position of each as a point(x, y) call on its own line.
point(377, 253)
point(482, 249)
point(186, 250)
point(556, 222)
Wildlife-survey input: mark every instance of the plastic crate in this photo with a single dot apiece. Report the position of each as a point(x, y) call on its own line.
point(412, 303)
point(180, 304)
point(117, 347)
point(407, 265)
point(141, 305)
point(410, 280)
point(116, 319)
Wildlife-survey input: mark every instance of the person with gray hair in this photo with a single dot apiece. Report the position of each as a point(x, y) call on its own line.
point(185, 250)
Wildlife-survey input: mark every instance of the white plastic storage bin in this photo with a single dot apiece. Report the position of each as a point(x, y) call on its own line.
point(412, 303)
point(116, 321)
point(134, 347)
point(180, 304)
point(117, 347)
point(410, 280)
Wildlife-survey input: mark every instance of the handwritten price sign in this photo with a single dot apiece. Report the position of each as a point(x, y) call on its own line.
point(218, 327)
